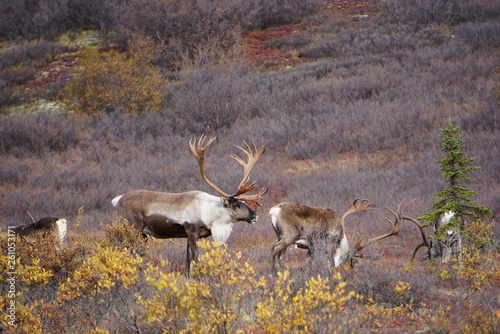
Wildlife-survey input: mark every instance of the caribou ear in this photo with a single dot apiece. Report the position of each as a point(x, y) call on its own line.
point(225, 201)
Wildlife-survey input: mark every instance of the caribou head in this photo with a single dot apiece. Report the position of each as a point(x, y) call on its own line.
point(242, 207)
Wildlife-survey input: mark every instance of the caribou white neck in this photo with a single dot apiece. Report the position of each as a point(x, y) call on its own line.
point(221, 232)
point(341, 252)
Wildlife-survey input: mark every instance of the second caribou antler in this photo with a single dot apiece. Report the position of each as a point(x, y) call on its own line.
point(395, 228)
point(425, 242)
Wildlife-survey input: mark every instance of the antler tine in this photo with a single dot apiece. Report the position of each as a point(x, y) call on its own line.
point(358, 205)
point(400, 211)
point(245, 185)
point(199, 154)
point(254, 200)
point(397, 215)
point(358, 202)
point(424, 242)
point(395, 228)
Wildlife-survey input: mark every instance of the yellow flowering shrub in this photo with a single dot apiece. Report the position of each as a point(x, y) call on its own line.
point(317, 307)
point(123, 235)
point(26, 321)
point(113, 81)
point(99, 331)
point(403, 314)
point(19, 278)
point(163, 309)
point(479, 263)
point(107, 268)
point(210, 302)
point(34, 274)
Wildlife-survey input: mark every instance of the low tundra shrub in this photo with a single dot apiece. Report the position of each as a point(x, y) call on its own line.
point(480, 36)
point(113, 81)
point(222, 287)
point(225, 286)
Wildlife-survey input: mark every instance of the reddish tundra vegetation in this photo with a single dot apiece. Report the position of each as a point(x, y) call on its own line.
point(260, 42)
point(350, 99)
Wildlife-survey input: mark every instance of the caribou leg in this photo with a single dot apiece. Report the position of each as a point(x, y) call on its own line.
point(278, 252)
point(192, 248)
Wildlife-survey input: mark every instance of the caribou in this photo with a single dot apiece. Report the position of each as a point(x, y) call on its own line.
point(304, 226)
point(195, 214)
point(311, 227)
point(45, 226)
point(446, 241)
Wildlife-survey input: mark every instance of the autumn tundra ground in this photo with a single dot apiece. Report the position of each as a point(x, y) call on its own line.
point(349, 97)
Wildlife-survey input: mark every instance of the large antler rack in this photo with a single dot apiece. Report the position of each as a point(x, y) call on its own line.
point(357, 205)
point(245, 185)
point(198, 149)
point(425, 242)
point(395, 228)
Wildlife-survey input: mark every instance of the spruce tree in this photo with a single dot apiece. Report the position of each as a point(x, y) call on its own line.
point(455, 166)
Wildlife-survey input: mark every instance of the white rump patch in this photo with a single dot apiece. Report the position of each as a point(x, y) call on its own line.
point(61, 231)
point(116, 200)
point(447, 217)
point(274, 213)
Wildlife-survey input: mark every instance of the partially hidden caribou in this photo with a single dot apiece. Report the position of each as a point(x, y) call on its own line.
point(446, 240)
point(305, 226)
point(312, 228)
point(195, 214)
point(46, 225)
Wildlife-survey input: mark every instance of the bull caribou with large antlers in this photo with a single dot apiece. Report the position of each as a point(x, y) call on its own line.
point(446, 240)
point(195, 214)
point(307, 227)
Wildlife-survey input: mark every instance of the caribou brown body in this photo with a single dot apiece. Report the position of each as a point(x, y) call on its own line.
point(194, 213)
point(305, 226)
point(46, 225)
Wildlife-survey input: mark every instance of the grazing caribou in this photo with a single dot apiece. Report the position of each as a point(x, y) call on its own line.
point(446, 241)
point(195, 213)
point(45, 226)
point(307, 227)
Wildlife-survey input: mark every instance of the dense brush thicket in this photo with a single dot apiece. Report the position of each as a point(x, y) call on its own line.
point(102, 285)
point(359, 117)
